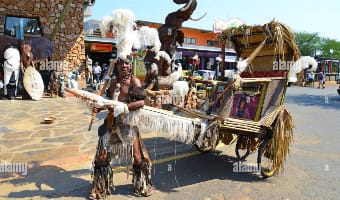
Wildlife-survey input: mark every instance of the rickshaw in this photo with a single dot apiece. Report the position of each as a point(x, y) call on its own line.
point(248, 107)
point(245, 106)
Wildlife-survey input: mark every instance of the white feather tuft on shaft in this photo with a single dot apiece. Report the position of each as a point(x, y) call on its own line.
point(304, 62)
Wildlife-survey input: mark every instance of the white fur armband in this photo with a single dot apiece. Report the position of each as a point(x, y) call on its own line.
point(120, 108)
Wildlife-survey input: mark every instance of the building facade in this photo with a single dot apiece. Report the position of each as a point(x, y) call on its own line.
point(198, 43)
point(61, 21)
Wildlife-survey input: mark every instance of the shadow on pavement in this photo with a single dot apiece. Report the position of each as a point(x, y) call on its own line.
point(198, 169)
point(52, 182)
point(322, 101)
point(167, 177)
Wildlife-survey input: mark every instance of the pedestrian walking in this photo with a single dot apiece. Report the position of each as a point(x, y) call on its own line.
point(96, 72)
point(321, 79)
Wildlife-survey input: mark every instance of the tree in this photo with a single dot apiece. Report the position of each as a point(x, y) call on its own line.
point(330, 48)
point(308, 43)
point(311, 44)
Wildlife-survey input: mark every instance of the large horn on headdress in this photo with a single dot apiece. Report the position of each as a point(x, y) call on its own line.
point(187, 6)
point(199, 17)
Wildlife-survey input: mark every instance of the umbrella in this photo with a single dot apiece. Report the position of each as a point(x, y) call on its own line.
point(41, 48)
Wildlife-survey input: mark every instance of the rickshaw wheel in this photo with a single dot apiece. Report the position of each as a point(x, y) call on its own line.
point(242, 148)
point(267, 172)
point(267, 166)
point(265, 161)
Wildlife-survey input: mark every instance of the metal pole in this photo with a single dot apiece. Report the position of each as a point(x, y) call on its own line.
point(223, 61)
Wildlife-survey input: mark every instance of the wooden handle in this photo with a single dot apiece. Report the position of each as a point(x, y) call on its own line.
point(93, 116)
point(256, 51)
point(112, 66)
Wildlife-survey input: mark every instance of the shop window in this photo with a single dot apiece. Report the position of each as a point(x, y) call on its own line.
point(21, 27)
point(212, 43)
point(189, 40)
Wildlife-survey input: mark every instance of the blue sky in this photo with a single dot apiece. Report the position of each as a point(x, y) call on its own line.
point(312, 16)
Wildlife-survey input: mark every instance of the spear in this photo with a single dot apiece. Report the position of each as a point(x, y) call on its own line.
point(106, 83)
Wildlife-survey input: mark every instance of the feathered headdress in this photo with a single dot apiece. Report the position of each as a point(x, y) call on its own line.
point(123, 23)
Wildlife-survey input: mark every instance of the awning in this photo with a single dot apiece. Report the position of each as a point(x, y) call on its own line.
point(227, 59)
point(101, 40)
point(204, 48)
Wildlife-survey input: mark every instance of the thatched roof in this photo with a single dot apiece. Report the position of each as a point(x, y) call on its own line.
point(280, 42)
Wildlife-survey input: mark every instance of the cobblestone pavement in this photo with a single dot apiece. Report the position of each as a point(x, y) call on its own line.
point(58, 156)
point(47, 149)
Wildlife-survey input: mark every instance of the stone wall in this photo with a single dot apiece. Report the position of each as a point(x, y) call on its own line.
point(68, 38)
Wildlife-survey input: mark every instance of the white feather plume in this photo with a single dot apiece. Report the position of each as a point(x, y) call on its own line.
point(123, 21)
point(164, 55)
point(104, 25)
point(149, 37)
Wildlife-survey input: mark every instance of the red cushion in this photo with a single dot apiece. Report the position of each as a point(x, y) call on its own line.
point(277, 73)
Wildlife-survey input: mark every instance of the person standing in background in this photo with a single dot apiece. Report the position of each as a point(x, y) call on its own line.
point(96, 72)
point(104, 72)
point(321, 79)
point(88, 70)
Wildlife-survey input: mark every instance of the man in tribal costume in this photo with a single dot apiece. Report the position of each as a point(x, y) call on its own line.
point(119, 138)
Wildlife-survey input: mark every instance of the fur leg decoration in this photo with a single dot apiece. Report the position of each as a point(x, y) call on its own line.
point(142, 178)
point(102, 182)
point(102, 175)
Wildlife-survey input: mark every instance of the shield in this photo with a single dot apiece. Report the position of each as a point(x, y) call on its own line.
point(33, 83)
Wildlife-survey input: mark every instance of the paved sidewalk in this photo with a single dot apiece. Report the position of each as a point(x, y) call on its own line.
point(57, 157)
point(51, 151)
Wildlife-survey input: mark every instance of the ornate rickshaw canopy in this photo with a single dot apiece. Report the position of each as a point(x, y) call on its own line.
point(279, 43)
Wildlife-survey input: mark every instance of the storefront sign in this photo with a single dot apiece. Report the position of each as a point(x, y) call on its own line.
point(220, 25)
point(100, 47)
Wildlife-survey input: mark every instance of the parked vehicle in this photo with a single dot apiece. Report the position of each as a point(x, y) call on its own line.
point(204, 75)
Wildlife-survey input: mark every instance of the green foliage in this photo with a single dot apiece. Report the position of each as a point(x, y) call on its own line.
point(311, 44)
point(308, 43)
point(330, 48)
